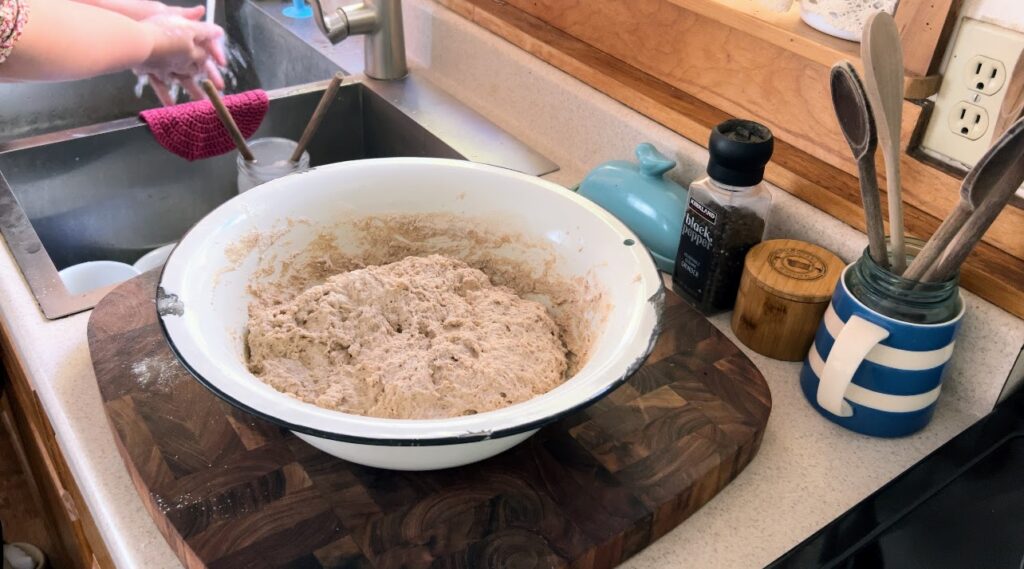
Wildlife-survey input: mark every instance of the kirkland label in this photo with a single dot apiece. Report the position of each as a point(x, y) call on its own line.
point(695, 248)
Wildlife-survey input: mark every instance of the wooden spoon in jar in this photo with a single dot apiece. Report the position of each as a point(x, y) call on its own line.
point(986, 178)
point(330, 93)
point(228, 121)
point(1007, 176)
point(882, 54)
point(854, 116)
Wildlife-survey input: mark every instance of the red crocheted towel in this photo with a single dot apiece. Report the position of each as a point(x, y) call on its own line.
point(193, 131)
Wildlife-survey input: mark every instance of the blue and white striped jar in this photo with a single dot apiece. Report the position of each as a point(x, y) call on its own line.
point(875, 374)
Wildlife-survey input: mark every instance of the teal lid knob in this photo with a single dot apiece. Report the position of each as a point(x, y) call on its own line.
point(639, 195)
point(652, 162)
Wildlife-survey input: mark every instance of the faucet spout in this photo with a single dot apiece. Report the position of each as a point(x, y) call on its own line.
point(380, 21)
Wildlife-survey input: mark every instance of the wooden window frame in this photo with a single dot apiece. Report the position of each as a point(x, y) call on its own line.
point(647, 55)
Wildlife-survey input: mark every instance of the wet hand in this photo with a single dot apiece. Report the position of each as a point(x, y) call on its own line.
point(183, 49)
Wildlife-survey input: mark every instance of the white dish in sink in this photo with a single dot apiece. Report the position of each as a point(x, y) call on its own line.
point(91, 275)
point(154, 259)
point(203, 297)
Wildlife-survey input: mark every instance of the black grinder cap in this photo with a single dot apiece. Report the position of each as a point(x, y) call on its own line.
point(739, 151)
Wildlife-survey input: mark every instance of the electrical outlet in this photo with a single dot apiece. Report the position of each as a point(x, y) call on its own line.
point(973, 87)
point(968, 120)
point(985, 75)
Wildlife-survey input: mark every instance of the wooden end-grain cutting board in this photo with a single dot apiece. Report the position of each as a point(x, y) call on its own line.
point(229, 490)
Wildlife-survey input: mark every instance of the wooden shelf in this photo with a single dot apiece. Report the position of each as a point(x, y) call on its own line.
point(690, 95)
point(788, 31)
point(783, 29)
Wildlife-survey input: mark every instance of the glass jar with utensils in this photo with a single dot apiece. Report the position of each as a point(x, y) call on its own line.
point(273, 160)
point(878, 357)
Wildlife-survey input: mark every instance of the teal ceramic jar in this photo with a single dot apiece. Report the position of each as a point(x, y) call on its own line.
point(639, 195)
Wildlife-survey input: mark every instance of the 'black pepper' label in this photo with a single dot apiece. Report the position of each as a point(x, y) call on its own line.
point(712, 247)
point(695, 248)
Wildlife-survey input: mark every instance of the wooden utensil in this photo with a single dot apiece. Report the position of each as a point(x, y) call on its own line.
point(318, 115)
point(985, 178)
point(858, 127)
point(1006, 178)
point(228, 121)
point(883, 73)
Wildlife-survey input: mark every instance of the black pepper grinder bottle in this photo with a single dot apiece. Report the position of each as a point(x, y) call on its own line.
point(725, 216)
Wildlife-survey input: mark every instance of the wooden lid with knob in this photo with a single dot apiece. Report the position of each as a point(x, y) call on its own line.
point(785, 289)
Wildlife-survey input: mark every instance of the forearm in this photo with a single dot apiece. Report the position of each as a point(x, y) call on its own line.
point(67, 40)
point(134, 9)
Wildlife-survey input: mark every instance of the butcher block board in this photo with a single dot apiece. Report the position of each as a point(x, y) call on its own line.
point(230, 490)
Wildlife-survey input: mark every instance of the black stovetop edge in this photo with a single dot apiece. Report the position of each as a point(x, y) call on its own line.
point(833, 544)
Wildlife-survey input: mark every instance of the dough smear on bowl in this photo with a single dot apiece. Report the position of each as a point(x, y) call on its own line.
point(424, 337)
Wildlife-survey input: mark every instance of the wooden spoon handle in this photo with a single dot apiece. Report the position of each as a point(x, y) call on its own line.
point(873, 210)
point(993, 181)
point(318, 115)
point(969, 235)
point(938, 242)
point(882, 54)
point(980, 220)
point(228, 121)
point(894, 192)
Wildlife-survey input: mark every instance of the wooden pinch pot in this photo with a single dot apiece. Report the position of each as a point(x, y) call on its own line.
point(785, 289)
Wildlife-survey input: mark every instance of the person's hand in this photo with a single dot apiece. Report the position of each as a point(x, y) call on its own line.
point(182, 50)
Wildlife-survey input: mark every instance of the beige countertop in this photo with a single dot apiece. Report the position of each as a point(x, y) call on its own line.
point(808, 470)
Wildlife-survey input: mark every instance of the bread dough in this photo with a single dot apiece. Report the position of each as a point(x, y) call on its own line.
point(421, 338)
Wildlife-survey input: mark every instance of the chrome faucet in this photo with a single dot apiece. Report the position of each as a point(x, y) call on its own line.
point(380, 21)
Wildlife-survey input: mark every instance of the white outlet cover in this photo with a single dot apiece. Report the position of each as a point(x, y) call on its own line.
point(976, 42)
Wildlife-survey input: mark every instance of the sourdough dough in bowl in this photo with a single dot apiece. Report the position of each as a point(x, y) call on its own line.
point(547, 244)
point(424, 337)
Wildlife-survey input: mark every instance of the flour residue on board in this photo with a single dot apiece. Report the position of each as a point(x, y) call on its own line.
point(154, 373)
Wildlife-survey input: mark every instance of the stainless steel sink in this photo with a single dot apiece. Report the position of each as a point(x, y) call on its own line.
point(31, 109)
point(118, 194)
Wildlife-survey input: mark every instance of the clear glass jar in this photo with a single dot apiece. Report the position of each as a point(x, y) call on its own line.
point(272, 162)
point(902, 299)
point(721, 225)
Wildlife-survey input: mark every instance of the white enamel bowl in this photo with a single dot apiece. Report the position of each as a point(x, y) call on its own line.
point(203, 306)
